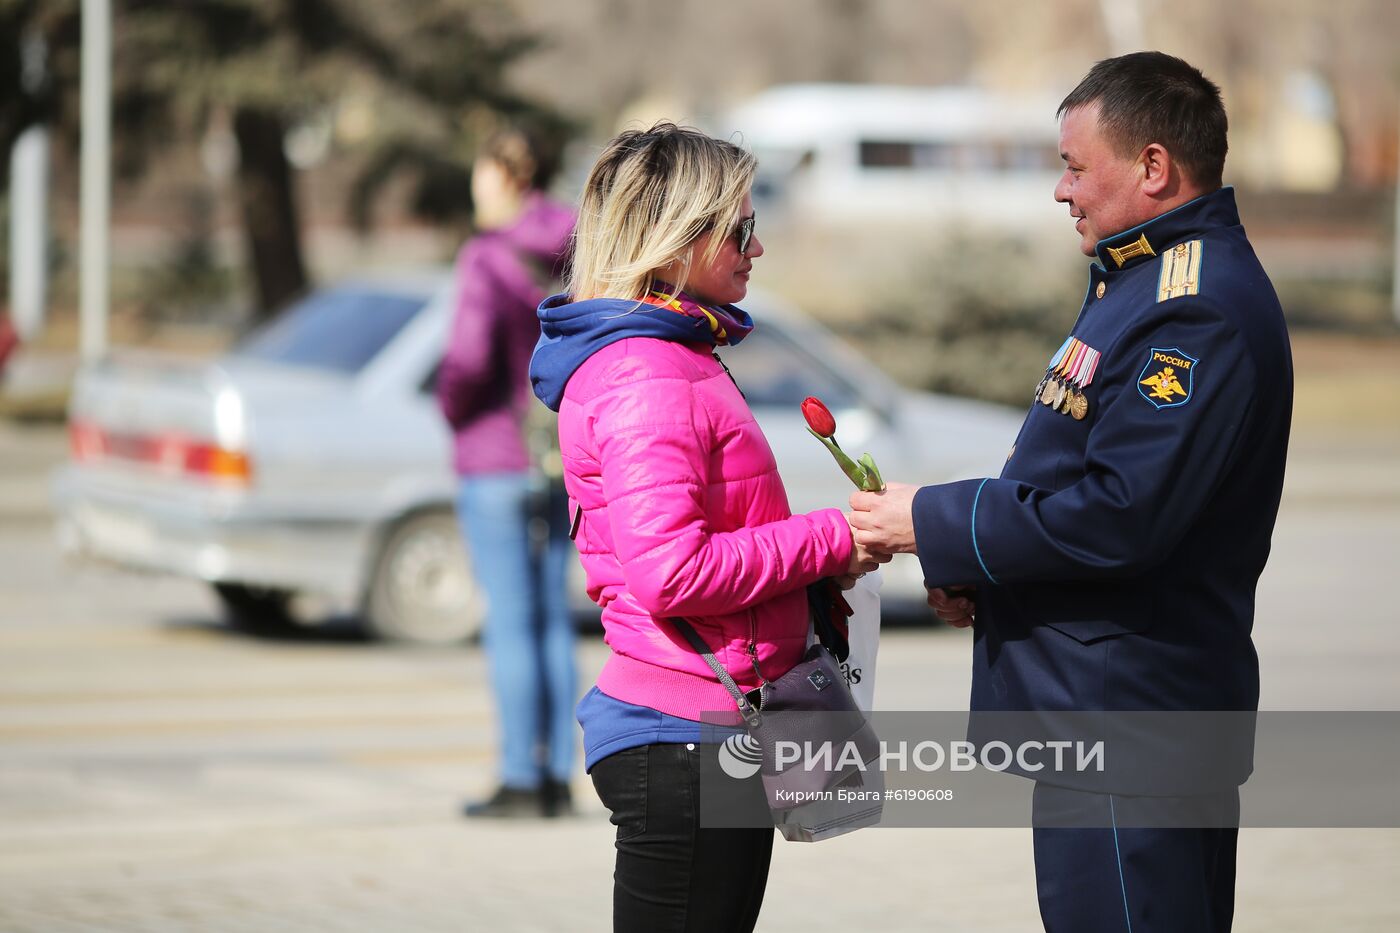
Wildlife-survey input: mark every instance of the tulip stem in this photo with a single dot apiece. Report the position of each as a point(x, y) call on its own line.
point(863, 474)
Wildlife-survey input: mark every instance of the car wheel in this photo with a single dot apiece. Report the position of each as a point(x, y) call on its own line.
point(423, 590)
point(257, 609)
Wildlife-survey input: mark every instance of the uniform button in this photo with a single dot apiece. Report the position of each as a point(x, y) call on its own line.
point(1101, 290)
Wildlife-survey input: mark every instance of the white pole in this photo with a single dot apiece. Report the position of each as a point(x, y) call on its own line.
point(29, 190)
point(29, 199)
point(96, 176)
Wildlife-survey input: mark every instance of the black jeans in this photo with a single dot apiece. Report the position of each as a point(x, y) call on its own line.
point(673, 876)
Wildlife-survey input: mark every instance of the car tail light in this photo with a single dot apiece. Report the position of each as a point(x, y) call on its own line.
point(86, 441)
point(170, 453)
point(217, 463)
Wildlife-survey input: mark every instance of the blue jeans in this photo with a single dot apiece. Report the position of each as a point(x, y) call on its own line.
point(529, 635)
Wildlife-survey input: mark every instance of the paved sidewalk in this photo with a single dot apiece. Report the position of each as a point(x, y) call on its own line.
point(177, 778)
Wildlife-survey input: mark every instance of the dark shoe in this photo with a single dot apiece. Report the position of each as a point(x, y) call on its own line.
point(556, 798)
point(509, 803)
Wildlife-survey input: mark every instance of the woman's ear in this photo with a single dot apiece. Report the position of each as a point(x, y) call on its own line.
point(677, 270)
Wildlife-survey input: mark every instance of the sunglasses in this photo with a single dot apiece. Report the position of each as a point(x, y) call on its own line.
point(743, 234)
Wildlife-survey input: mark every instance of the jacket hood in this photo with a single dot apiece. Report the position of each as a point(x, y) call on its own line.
point(572, 331)
point(542, 230)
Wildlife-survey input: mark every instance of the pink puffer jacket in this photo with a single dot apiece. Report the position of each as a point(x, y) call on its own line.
point(684, 514)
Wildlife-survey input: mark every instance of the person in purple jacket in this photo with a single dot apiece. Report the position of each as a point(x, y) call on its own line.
point(504, 500)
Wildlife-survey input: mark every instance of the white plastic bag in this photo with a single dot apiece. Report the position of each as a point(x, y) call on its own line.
point(864, 637)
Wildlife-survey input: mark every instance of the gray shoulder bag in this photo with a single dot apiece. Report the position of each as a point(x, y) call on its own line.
point(810, 705)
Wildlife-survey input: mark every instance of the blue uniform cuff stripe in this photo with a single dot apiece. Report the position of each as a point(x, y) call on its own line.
point(975, 549)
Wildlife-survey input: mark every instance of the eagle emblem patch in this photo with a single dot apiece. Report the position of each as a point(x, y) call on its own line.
point(1166, 380)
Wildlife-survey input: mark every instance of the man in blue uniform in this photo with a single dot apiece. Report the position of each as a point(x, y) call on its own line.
point(1113, 563)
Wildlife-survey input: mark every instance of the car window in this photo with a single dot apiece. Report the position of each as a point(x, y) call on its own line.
point(773, 371)
point(340, 329)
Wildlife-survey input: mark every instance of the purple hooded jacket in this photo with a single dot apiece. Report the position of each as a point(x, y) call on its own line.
point(483, 386)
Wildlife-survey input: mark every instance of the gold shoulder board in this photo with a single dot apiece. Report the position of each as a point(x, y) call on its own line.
point(1181, 271)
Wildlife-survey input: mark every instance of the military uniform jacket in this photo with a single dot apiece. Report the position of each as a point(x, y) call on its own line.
point(1116, 556)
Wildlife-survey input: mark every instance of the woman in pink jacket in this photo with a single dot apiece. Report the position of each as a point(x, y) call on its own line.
point(677, 509)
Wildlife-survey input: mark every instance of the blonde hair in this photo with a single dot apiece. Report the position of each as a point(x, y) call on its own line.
point(650, 195)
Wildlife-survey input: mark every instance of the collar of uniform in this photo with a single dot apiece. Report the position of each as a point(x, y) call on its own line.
point(1131, 247)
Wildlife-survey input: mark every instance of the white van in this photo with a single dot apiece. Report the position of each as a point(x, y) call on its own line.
point(834, 153)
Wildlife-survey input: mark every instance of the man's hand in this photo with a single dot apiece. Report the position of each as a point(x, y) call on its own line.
point(955, 605)
point(884, 521)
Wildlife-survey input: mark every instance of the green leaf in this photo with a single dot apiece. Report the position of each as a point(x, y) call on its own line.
point(874, 481)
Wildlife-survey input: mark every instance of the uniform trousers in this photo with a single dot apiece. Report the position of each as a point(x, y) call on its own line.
point(1133, 864)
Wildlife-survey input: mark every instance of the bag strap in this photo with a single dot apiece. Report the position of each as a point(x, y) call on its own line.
point(820, 602)
point(746, 709)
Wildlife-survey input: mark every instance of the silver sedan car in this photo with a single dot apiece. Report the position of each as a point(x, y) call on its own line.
point(311, 465)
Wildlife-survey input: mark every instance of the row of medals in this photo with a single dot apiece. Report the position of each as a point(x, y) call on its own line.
point(1062, 397)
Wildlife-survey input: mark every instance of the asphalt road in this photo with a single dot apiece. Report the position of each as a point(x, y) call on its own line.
point(159, 772)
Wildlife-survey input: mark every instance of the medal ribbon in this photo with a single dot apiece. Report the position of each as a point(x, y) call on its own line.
point(1075, 347)
point(1076, 362)
point(1091, 367)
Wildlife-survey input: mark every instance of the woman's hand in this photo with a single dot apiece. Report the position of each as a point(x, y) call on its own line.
point(863, 560)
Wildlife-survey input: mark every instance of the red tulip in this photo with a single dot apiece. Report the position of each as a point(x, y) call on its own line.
point(819, 417)
point(822, 424)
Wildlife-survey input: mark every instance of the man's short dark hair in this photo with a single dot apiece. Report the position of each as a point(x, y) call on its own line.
point(1152, 97)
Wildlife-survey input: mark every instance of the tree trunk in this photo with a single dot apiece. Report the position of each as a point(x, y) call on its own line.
point(270, 224)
